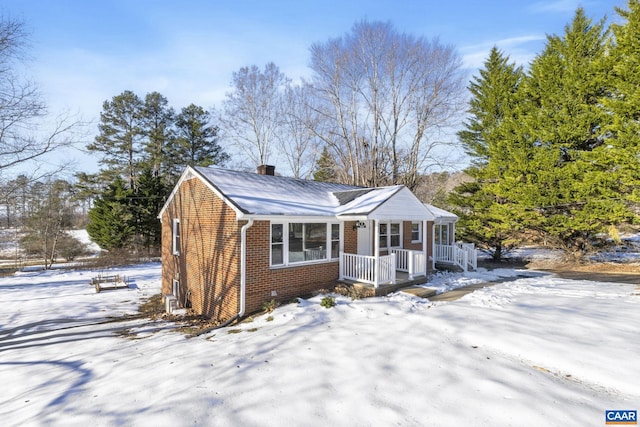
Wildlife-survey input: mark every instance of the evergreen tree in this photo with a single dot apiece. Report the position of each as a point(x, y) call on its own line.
point(325, 170)
point(484, 218)
point(120, 137)
point(147, 200)
point(493, 100)
point(557, 173)
point(623, 107)
point(157, 124)
point(196, 142)
point(111, 221)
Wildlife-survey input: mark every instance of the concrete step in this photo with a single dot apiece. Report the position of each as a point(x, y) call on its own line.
point(419, 291)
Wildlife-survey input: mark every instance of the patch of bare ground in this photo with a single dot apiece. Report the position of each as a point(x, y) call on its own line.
point(152, 307)
point(619, 272)
point(595, 267)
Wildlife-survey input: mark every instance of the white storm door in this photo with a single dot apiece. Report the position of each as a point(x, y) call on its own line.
point(364, 239)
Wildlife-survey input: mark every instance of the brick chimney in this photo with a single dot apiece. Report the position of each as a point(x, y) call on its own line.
point(267, 170)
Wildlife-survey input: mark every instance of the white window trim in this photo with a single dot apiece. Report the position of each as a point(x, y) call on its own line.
point(419, 232)
point(285, 243)
point(175, 237)
point(388, 235)
point(443, 233)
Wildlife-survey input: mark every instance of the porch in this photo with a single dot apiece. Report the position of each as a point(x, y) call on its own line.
point(402, 267)
point(369, 290)
point(384, 269)
point(462, 255)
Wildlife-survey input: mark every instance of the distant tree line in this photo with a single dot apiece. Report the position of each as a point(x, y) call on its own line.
point(556, 147)
point(42, 213)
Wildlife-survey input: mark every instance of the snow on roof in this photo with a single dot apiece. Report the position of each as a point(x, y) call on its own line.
point(441, 213)
point(255, 194)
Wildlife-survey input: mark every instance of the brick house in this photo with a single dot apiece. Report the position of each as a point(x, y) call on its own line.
point(232, 240)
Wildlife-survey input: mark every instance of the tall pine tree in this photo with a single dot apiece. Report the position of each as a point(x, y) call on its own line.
point(196, 142)
point(120, 137)
point(111, 219)
point(484, 218)
point(559, 177)
point(146, 201)
point(624, 106)
point(157, 125)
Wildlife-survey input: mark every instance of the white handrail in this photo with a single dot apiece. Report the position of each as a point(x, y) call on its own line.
point(463, 255)
point(363, 268)
point(410, 261)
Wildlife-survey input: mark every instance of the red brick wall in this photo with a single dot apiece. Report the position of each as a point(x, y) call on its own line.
point(287, 282)
point(350, 238)
point(208, 266)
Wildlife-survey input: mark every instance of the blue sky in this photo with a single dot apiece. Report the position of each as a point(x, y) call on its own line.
point(84, 52)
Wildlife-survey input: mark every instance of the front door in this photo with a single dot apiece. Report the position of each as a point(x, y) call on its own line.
point(364, 239)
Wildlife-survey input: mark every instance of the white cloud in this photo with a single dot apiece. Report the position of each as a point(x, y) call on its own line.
point(520, 49)
point(555, 6)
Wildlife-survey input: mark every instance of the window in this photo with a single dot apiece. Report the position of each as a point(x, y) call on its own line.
point(390, 235)
point(277, 244)
point(335, 240)
point(384, 234)
point(441, 234)
point(416, 232)
point(394, 235)
point(176, 237)
point(304, 242)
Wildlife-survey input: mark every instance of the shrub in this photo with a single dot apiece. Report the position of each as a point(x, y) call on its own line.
point(270, 305)
point(69, 247)
point(349, 291)
point(328, 302)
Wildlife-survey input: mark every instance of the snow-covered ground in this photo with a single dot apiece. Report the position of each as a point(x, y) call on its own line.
point(527, 352)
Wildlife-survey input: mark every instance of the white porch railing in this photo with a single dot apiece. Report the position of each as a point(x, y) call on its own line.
point(363, 269)
point(463, 255)
point(412, 262)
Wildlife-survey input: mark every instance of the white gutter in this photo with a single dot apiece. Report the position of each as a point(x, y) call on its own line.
point(243, 266)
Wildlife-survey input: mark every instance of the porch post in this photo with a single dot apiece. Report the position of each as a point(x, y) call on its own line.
point(433, 246)
point(424, 246)
point(453, 233)
point(376, 253)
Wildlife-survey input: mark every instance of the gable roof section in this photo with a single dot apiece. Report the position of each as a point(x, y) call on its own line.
point(264, 195)
point(440, 214)
point(252, 194)
point(387, 204)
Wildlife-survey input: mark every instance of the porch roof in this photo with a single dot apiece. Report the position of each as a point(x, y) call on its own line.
point(441, 215)
point(255, 195)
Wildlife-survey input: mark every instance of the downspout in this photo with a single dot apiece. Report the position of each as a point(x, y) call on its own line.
point(243, 274)
point(243, 266)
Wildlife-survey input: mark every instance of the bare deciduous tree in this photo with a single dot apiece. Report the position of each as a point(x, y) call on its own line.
point(384, 98)
point(299, 145)
point(22, 109)
point(252, 111)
